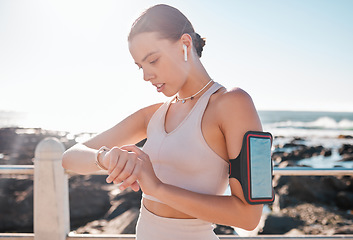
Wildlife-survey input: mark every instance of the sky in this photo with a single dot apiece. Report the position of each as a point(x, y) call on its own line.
point(70, 60)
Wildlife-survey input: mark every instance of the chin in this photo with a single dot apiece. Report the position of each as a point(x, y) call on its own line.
point(168, 94)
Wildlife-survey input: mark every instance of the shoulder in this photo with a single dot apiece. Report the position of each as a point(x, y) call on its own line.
point(236, 114)
point(234, 102)
point(148, 112)
point(151, 109)
point(236, 93)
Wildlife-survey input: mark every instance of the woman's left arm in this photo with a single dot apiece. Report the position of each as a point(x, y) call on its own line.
point(237, 115)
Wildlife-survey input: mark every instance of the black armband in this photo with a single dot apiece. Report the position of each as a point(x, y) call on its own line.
point(253, 167)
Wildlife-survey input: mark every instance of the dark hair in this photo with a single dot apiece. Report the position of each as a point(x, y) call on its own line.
point(169, 22)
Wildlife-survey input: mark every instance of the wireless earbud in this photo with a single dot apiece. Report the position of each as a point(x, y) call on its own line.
point(185, 52)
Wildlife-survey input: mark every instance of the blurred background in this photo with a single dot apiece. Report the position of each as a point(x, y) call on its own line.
point(66, 65)
point(66, 71)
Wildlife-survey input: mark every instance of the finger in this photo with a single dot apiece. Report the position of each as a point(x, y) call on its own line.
point(119, 167)
point(118, 174)
point(132, 177)
point(135, 186)
point(114, 157)
point(112, 166)
point(133, 148)
point(126, 171)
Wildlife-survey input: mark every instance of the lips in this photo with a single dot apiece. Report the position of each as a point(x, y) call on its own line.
point(159, 86)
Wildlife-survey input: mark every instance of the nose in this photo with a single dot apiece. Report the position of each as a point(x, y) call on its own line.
point(147, 76)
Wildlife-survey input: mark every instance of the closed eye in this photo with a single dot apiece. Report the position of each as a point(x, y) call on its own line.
point(154, 61)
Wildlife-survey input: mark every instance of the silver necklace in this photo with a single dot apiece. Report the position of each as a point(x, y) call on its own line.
point(183, 100)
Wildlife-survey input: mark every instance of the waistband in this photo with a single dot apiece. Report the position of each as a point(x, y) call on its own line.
point(175, 223)
point(149, 197)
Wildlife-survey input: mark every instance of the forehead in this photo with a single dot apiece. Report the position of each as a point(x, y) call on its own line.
point(145, 43)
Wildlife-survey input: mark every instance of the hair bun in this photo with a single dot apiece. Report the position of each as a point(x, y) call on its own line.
point(199, 43)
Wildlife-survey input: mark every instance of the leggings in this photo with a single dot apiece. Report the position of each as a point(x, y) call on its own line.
point(153, 227)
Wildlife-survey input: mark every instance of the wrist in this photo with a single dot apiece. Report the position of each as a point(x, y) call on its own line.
point(100, 156)
point(159, 189)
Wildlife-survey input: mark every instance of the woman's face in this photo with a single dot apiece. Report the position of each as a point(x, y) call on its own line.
point(161, 60)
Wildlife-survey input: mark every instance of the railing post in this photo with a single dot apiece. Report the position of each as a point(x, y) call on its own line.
point(51, 217)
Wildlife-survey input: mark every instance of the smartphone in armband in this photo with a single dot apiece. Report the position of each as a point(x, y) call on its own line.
point(253, 167)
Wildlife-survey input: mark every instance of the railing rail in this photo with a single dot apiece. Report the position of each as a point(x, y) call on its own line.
point(30, 236)
point(288, 171)
point(17, 169)
point(51, 209)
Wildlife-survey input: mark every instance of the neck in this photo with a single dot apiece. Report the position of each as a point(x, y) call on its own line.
point(196, 95)
point(198, 78)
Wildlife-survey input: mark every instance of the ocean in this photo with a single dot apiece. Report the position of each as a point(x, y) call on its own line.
point(328, 129)
point(279, 123)
point(307, 124)
point(314, 128)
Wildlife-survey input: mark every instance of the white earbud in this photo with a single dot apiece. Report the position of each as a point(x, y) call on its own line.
point(185, 52)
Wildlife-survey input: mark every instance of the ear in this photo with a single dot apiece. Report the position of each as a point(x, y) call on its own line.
point(186, 40)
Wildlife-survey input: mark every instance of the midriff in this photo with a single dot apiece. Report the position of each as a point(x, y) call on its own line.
point(163, 210)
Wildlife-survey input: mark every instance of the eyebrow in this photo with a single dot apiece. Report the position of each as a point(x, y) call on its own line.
point(149, 54)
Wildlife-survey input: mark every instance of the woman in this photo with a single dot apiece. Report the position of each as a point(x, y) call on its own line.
point(183, 167)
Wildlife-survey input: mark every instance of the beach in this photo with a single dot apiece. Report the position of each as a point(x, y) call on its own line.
point(303, 205)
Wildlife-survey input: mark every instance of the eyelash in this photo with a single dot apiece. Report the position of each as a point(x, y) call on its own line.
point(154, 61)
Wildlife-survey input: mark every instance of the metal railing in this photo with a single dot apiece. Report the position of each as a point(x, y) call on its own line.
point(288, 171)
point(51, 217)
point(31, 236)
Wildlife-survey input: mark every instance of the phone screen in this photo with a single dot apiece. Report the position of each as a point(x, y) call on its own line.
point(260, 168)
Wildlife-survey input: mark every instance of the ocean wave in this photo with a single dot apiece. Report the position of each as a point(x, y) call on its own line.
point(326, 123)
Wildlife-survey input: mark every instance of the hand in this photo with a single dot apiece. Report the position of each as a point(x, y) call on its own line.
point(147, 178)
point(123, 166)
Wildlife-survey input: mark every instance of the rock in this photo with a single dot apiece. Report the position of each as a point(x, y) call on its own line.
point(277, 156)
point(346, 158)
point(124, 201)
point(310, 218)
point(345, 136)
point(295, 190)
point(320, 203)
point(223, 230)
point(346, 229)
point(16, 204)
point(308, 205)
point(326, 152)
point(293, 145)
point(344, 200)
point(88, 199)
point(346, 149)
point(17, 145)
point(294, 232)
point(311, 189)
point(300, 152)
point(120, 218)
point(279, 224)
point(122, 224)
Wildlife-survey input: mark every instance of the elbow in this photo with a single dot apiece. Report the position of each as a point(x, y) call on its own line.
point(65, 160)
point(251, 225)
point(253, 218)
point(250, 219)
point(248, 223)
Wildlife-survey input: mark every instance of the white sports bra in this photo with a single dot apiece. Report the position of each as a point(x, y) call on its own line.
point(182, 157)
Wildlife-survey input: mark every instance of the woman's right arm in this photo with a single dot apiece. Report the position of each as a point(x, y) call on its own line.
point(81, 157)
